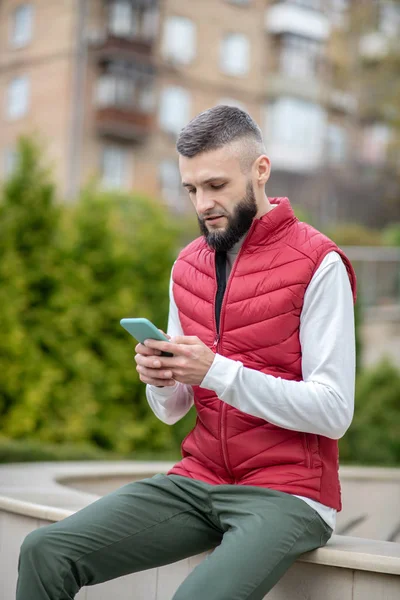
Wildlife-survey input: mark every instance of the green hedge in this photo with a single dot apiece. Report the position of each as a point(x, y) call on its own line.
point(68, 274)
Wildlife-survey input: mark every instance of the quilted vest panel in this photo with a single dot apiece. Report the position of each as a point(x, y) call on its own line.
point(259, 326)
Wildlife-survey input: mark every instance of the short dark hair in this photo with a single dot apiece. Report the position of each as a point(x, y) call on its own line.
point(217, 127)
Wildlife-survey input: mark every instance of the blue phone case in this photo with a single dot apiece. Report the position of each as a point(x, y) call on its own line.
point(143, 329)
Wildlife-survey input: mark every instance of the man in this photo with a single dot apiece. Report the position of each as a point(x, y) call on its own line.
point(262, 335)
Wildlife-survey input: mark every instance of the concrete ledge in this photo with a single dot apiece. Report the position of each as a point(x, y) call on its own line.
point(37, 494)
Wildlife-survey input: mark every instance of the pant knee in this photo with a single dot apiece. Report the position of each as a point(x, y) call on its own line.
point(34, 545)
point(45, 557)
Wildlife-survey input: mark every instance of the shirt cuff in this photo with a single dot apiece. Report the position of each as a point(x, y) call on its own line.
point(167, 390)
point(221, 374)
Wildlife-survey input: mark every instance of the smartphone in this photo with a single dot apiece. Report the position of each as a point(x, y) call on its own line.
point(143, 329)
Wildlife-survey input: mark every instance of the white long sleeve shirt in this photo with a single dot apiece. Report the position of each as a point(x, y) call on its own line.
point(323, 403)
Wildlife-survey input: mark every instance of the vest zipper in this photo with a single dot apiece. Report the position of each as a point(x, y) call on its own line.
point(217, 343)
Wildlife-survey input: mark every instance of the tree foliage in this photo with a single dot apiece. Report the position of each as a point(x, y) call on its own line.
point(373, 437)
point(68, 274)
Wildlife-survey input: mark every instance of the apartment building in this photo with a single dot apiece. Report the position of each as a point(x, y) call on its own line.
point(108, 84)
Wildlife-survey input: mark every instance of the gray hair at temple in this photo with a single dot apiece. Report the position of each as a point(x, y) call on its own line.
point(222, 126)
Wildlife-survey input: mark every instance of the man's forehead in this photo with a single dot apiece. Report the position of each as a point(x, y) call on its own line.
point(204, 166)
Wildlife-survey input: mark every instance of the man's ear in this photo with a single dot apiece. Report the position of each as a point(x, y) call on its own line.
point(263, 170)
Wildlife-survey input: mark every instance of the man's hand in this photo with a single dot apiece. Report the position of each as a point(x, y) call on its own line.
point(191, 361)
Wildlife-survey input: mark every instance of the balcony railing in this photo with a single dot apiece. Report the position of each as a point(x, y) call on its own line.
point(297, 18)
point(129, 123)
point(109, 47)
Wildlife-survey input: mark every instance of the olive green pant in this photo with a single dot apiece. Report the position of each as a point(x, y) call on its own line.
point(257, 534)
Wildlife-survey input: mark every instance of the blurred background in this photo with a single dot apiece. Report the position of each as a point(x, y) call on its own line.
point(92, 213)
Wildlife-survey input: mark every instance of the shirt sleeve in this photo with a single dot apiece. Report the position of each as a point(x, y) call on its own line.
point(323, 403)
point(171, 403)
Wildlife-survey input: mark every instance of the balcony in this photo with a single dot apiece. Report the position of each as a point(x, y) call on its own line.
point(129, 32)
point(279, 84)
point(126, 123)
point(124, 103)
point(109, 47)
point(285, 17)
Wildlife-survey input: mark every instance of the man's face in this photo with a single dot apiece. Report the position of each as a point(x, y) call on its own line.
point(222, 195)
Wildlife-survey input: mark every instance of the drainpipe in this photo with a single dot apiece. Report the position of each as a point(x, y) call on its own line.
point(75, 141)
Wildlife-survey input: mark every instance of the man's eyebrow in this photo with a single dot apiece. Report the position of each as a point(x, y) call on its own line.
point(206, 181)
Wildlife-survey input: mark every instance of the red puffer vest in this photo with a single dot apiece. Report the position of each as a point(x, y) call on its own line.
point(259, 326)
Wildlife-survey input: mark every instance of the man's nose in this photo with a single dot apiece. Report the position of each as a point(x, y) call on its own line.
point(204, 202)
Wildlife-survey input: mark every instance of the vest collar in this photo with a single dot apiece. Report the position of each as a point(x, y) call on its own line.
point(272, 225)
point(268, 228)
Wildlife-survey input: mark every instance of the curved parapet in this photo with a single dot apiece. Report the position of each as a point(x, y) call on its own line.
point(349, 568)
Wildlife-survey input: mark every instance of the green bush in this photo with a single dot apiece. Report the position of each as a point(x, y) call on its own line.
point(391, 235)
point(68, 274)
point(354, 234)
point(373, 437)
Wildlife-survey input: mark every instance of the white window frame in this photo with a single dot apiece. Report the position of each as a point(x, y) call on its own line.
point(337, 143)
point(121, 171)
point(10, 161)
point(229, 52)
point(299, 57)
point(179, 40)
point(174, 112)
point(18, 97)
point(171, 184)
point(123, 19)
point(296, 122)
point(242, 3)
point(21, 31)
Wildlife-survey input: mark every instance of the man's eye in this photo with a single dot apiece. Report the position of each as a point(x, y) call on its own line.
point(218, 187)
point(191, 190)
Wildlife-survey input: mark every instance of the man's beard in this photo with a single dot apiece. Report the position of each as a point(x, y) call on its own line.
point(239, 223)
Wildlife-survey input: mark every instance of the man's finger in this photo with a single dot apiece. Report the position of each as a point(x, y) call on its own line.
point(166, 334)
point(141, 349)
point(175, 349)
point(156, 380)
point(154, 373)
point(189, 340)
point(152, 362)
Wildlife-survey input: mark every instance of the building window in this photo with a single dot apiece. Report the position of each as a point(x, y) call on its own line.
point(18, 98)
point(235, 54)
point(174, 109)
point(179, 42)
point(314, 4)
point(119, 91)
point(150, 23)
point(146, 98)
point(336, 143)
point(389, 18)
point(122, 20)
point(129, 21)
point(115, 91)
point(22, 22)
point(10, 161)
point(171, 185)
point(297, 123)
point(115, 167)
point(240, 2)
point(299, 56)
point(376, 138)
